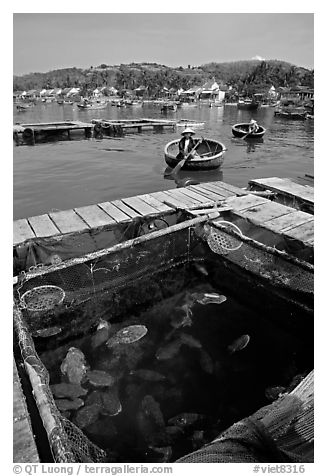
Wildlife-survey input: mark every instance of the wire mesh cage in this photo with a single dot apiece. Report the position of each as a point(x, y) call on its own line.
point(73, 294)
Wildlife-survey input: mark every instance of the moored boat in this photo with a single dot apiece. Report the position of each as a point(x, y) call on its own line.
point(247, 104)
point(291, 113)
point(211, 155)
point(92, 106)
point(242, 129)
point(169, 107)
point(189, 123)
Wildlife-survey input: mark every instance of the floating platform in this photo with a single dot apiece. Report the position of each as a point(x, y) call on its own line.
point(287, 192)
point(97, 226)
point(120, 127)
point(38, 132)
point(24, 447)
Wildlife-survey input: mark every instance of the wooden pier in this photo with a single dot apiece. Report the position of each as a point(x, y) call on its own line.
point(24, 449)
point(60, 226)
point(287, 192)
point(32, 133)
point(120, 127)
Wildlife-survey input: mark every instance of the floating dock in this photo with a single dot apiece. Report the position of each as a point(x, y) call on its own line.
point(287, 192)
point(24, 449)
point(120, 127)
point(32, 133)
point(66, 228)
point(60, 226)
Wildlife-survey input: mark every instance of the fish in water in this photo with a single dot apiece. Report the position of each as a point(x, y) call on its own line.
point(169, 350)
point(87, 415)
point(190, 341)
point(67, 390)
point(166, 453)
point(99, 378)
point(185, 420)
point(127, 335)
point(201, 269)
point(48, 332)
point(211, 298)
point(149, 375)
point(65, 404)
point(174, 433)
point(103, 325)
point(74, 365)
point(151, 409)
point(239, 344)
point(185, 318)
point(100, 337)
point(206, 362)
point(110, 403)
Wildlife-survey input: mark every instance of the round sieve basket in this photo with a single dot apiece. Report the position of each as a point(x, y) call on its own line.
point(42, 298)
point(222, 242)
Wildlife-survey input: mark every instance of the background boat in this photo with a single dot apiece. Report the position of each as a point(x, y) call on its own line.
point(247, 104)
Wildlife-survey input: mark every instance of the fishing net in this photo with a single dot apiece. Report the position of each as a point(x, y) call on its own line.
point(282, 432)
point(73, 294)
point(67, 442)
point(275, 266)
point(121, 281)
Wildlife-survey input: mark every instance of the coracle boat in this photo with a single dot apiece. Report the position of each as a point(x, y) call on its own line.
point(240, 130)
point(247, 104)
point(211, 155)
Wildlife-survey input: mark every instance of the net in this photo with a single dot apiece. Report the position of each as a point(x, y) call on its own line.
point(280, 432)
point(121, 280)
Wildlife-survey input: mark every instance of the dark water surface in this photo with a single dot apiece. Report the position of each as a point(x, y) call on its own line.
point(202, 381)
point(68, 174)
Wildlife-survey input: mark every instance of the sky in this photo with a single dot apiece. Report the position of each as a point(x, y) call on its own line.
point(48, 41)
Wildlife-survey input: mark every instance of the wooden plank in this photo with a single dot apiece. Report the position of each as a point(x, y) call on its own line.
point(285, 222)
point(68, 221)
point(157, 204)
point(24, 447)
point(114, 212)
point(207, 193)
point(22, 231)
point(266, 211)
point(194, 195)
point(304, 232)
point(94, 216)
point(140, 206)
point(181, 197)
point(245, 202)
point(165, 197)
point(215, 188)
point(287, 187)
point(126, 209)
point(43, 226)
point(231, 188)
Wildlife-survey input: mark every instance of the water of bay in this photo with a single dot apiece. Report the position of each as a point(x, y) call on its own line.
point(67, 174)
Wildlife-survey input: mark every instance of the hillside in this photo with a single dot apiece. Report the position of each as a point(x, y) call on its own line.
point(246, 76)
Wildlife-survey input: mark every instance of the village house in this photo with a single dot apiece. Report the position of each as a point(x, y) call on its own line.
point(212, 91)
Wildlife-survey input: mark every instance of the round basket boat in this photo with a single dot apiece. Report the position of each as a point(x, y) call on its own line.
point(211, 155)
point(239, 130)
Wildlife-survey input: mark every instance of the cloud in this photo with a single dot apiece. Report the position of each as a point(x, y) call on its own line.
point(257, 57)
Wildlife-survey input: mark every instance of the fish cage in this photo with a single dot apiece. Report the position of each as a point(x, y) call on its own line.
point(124, 280)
